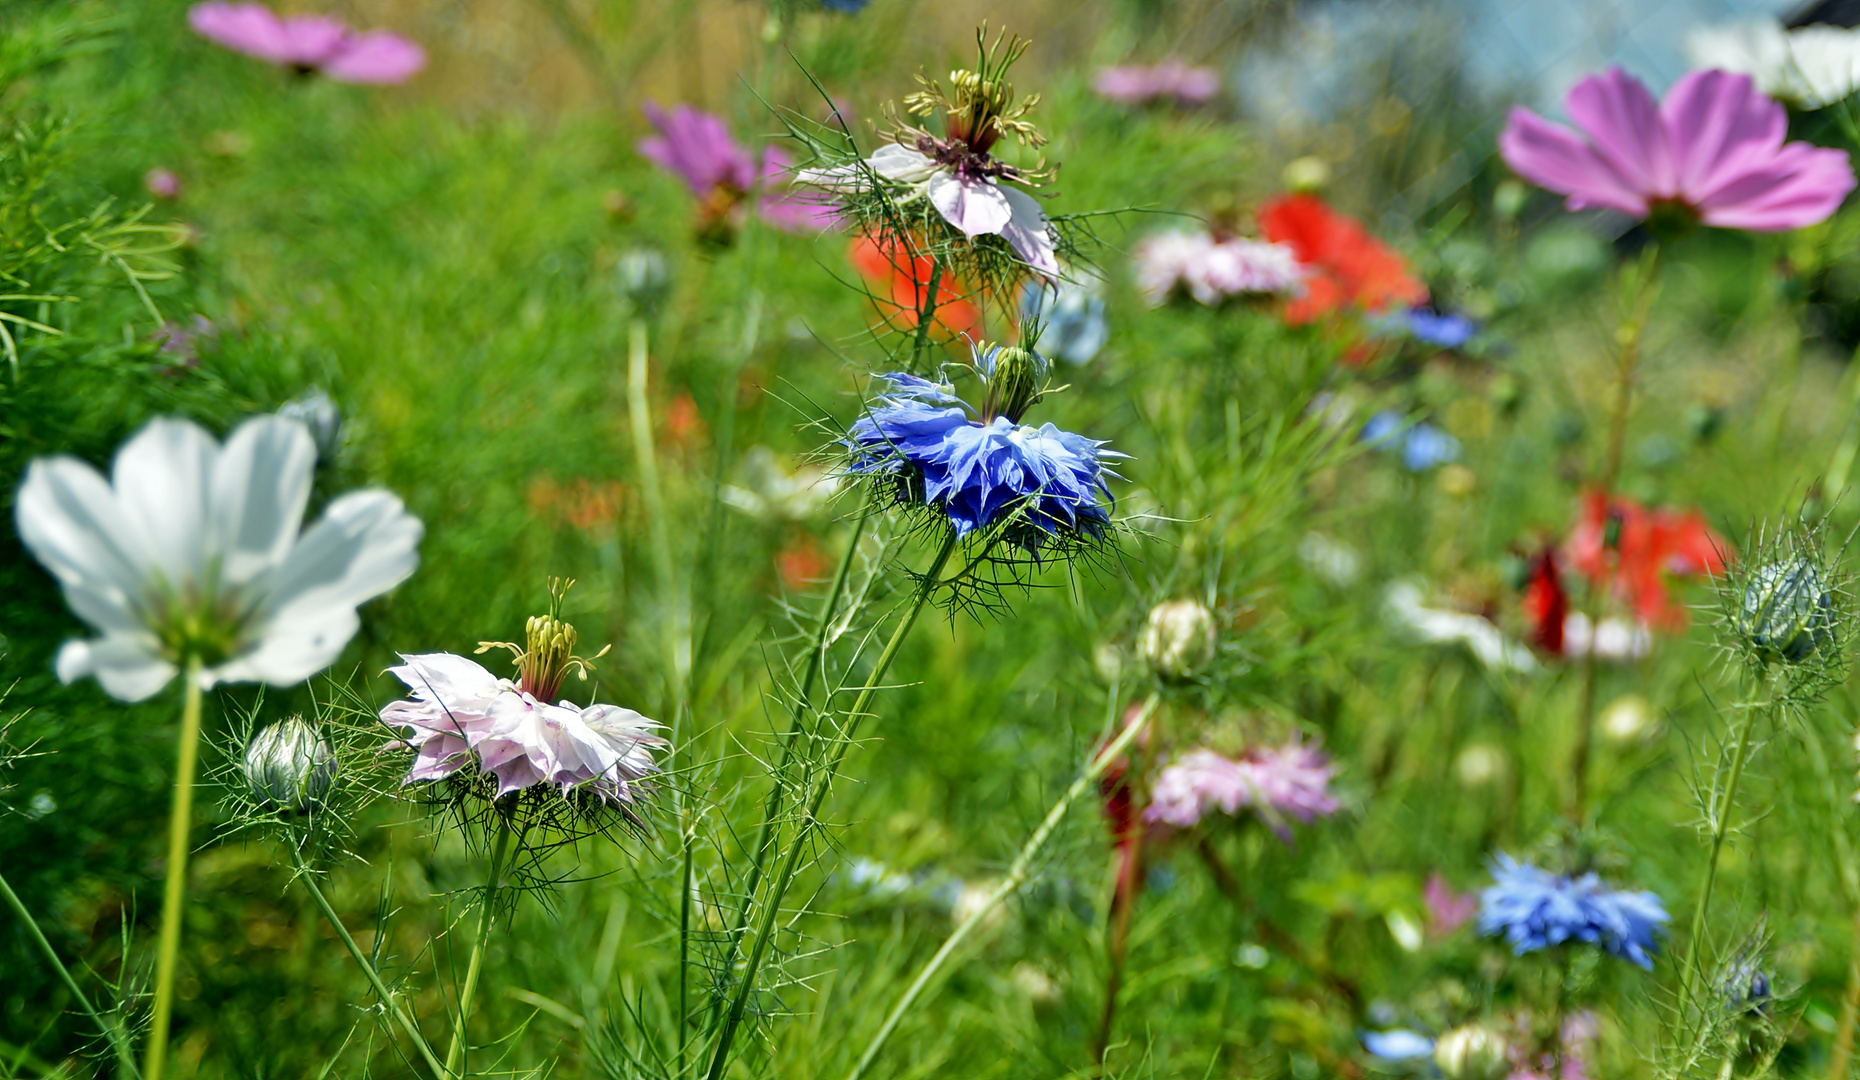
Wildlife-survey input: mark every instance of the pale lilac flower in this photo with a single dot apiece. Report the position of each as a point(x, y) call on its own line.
point(181, 340)
point(1447, 909)
point(192, 552)
point(1192, 785)
point(162, 183)
point(1292, 780)
point(460, 713)
point(1184, 84)
point(698, 148)
point(1213, 270)
point(308, 43)
point(1277, 782)
point(975, 204)
point(1713, 149)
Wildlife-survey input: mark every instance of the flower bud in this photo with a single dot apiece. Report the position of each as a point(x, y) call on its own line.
point(1014, 381)
point(318, 412)
point(289, 766)
point(1786, 608)
point(642, 278)
point(1179, 638)
point(1473, 1052)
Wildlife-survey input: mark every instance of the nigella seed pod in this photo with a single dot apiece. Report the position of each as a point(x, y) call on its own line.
point(1179, 638)
point(1786, 610)
point(289, 766)
point(1473, 1052)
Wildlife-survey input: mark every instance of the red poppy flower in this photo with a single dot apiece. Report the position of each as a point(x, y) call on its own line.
point(1632, 549)
point(1348, 267)
point(1546, 604)
point(900, 278)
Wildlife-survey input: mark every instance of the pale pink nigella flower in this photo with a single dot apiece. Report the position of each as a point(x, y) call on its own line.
point(1135, 84)
point(1712, 151)
point(1212, 270)
point(1447, 909)
point(308, 43)
point(1277, 782)
point(1189, 787)
point(698, 148)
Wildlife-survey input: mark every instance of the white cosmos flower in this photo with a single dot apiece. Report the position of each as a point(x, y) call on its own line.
point(977, 206)
point(193, 551)
point(1813, 67)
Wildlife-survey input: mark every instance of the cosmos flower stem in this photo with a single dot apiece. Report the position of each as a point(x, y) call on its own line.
point(1723, 798)
point(174, 890)
point(1017, 876)
point(1638, 293)
point(125, 1061)
point(388, 1000)
point(816, 654)
point(677, 625)
point(455, 1055)
point(771, 904)
point(1842, 850)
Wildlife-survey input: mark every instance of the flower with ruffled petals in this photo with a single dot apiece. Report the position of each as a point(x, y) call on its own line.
point(1535, 909)
point(1212, 270)
point(191, 552)
point(1277, 782)
point(1345, 267)
point(1713, 151)
point(1632, 550)
point(1172, 80)
point(308, 43)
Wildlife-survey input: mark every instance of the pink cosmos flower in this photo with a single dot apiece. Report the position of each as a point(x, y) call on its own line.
point(698, 148)
point(1212, 270)
point(1136, 84)
point(308, 43)
point(1277, 782)
point(459, 711)
point(1714, 149)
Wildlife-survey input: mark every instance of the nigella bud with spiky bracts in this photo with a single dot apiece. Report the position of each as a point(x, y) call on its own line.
point(1747, 988)
point(1472, 1052)
point(289, 766)
point(984, 468)
point(1786, 610)
point(1178, 639)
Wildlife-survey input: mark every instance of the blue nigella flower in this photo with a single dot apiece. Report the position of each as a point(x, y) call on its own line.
point(1072, 323)
point(1423, 446)
point(849, 7)
point(986, 469)
point(1440, 328)
point(1398, 1044)
point(1535, 909)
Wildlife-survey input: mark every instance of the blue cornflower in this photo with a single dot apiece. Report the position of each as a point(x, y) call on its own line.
point(1423, 446)
point(1440, 328)
point(1398, 1044)
point(982, 470)
point(1071, 320)
point(1535, 909)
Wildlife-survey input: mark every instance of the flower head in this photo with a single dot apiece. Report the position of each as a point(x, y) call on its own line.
point(1345, 266)
point(308, 43)
point(1178, 638)
point(191, 552)
point(1172, 80)
point(1423, 446)
point(1276, 782)
point(1050, 484)
point(1535, 909)
point(1070, 317)
point(1713, 151)
point(1398, 1044)
point(1447, 908)
point(1632, 549)
point(1811, 66)
point(1786, 610)
point(162, 183)
point(1212, 270)
point(698, 148)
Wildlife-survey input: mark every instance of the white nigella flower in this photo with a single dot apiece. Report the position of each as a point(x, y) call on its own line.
point(191, 552)
point(1405, 607)
point(1812, 67)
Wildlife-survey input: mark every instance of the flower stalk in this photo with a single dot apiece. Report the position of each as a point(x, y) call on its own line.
point(174, 890)
point(487, 908)
point(125, 1061)
point(1017, 876)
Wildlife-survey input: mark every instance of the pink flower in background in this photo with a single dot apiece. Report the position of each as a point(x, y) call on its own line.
point(1292, 780)
point(1447, 910)
point(1714, 149)
point(1191, 786)
point(162, 183)
point(698, 148)
point(1212, 270)
point(794, 210)
point(1277, 782)
point(308, 43)
point(1136, 84)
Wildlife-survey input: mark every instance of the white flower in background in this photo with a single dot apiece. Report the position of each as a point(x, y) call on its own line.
point(1811, 67)
point(1403, 603)
point(192, 552)
point(1212, 270)
point(1613, 639)
point(1330, 558)
point(773, 491)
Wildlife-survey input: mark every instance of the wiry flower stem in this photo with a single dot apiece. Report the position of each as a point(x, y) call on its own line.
point(125, 1061)
point(174, 892)
point(1017, 876)
point(926, 313)
point(455, 1056)
point(388, 1000)
point(771, 905)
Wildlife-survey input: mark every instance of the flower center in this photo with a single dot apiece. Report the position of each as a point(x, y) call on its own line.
point(198, 623)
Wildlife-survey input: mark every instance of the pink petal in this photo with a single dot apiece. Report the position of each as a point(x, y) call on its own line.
point(1622, 119)
point(310, 40)
point(1028, 233)
point(1801, 185)
point(376, 57)
point(245, 28)
point(977, 207)
point(1717, 123)
point(1554, 157)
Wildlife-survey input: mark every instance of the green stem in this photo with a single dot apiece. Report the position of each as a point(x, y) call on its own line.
point(927, 312)
point(124, 1059)
point(455, 1056)
point(174, 892)
point(678, 637)
point(1722, 802)
point(684, 955)
point(771, 905)
point(1017, 876)
point(388, 1001)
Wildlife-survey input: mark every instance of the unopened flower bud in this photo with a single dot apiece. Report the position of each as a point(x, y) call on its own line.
point(1473, 1052)
point(289, 766)
point(1747, 988)
point(317, 411)
point(642, 278)
point(1014, 382)
point(1786, 609)
point(1179, 638)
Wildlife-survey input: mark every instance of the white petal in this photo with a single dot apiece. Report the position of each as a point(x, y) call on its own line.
point(838, 178)
point(298, 643)
point(68, 519)
point(1028, 233)
point(260, 485)
point(161, 479)
point(901, 163)
point(129, 667)
point(365, 544)
point(448, 677)
point(977, 207)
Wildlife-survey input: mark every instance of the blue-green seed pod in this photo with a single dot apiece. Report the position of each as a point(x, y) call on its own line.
point(1786, 610)
point(288, 766)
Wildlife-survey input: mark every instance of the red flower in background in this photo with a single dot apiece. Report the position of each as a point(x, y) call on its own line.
point(1546, 604)
point(1631, 549)
point(1348, 267)
point(897, 273)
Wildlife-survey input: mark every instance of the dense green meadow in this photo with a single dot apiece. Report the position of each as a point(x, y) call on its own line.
point(470, 280)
